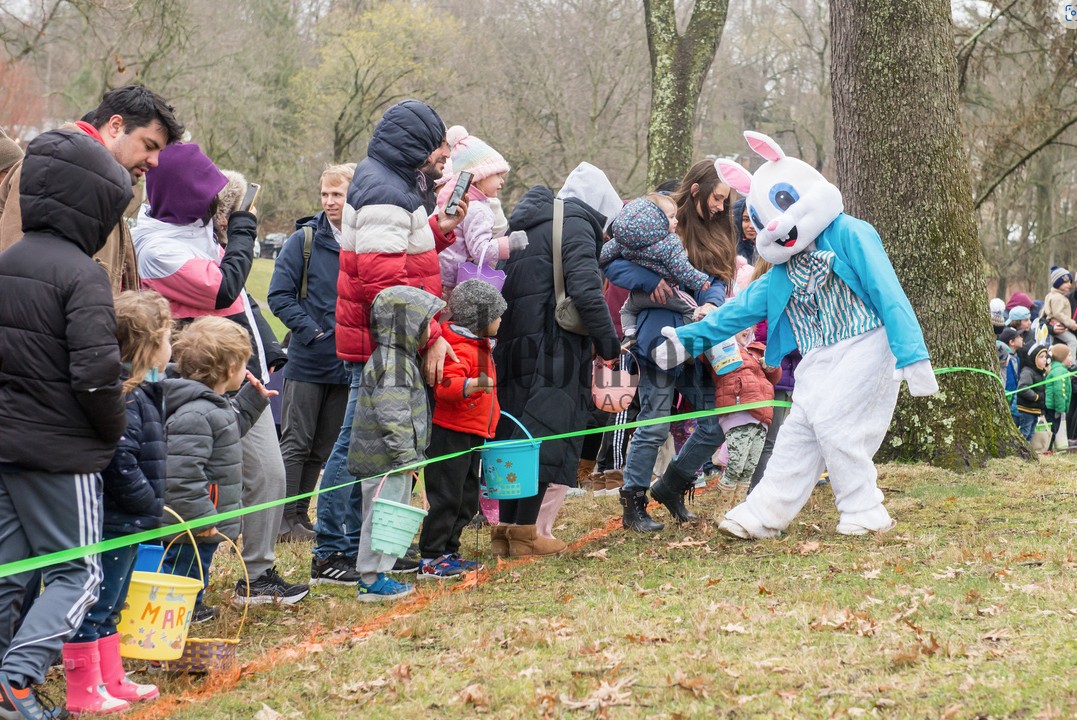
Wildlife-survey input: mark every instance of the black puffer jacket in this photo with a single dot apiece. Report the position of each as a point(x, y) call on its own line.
point(61, 404)
point(135, 479)
point(545, 372)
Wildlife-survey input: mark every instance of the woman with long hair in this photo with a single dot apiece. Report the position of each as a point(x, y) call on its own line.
point(704, 223)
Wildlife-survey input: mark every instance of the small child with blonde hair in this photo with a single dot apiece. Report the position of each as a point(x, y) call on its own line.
point(132, 502)
point(204, 428)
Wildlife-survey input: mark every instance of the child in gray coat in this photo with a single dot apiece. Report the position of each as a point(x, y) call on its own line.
point(392, 421)
point(204, 429)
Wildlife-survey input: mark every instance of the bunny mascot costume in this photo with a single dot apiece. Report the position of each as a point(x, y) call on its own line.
point(833, 295)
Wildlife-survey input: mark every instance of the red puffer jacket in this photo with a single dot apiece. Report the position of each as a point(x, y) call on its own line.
point(748, 383)
point(478, 413)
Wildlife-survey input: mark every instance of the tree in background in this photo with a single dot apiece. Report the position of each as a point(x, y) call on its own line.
point(902, 166)
point(367, 60)
point(679, 65)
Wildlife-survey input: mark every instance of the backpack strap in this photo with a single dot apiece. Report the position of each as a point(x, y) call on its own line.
point(308, 246)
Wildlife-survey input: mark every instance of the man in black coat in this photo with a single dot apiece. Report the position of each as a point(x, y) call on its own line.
point(61, 402)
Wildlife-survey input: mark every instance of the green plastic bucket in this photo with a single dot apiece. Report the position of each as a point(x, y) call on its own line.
point(510, 468)
point(393, 525)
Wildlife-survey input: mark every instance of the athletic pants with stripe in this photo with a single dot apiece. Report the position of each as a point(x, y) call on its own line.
point(42, 513)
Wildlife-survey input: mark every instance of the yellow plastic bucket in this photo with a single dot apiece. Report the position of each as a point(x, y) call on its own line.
point(154, 622)
point(155, 618)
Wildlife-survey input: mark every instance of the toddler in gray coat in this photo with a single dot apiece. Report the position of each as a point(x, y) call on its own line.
point(204, 428)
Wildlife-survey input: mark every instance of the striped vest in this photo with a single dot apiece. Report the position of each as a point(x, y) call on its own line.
point(823, 310)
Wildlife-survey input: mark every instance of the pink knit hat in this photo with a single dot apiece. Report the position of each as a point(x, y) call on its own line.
point(473, 155)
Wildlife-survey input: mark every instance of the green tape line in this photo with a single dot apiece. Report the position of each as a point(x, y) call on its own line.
point(63, 556)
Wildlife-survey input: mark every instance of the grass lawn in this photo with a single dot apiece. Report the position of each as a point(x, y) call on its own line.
point(966, 610)
point(258, 287)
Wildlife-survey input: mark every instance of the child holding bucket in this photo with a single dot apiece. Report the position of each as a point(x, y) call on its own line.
point(465, 415)
point(133, 499)
point(204, 429)
point(391, 428)
point(745, 430)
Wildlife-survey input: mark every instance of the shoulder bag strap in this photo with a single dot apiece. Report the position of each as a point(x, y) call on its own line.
point(558, 271)
point(308, 246)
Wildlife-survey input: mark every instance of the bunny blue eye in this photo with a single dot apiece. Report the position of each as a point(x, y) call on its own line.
point(783, 195)
point(755, 219)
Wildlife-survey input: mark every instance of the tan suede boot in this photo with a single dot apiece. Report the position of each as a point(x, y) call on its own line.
point(524, 540)
point(584, 475)
point(499, 540)
point(612, 482)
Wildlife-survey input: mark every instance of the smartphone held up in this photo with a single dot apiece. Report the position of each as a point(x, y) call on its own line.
point(250, 197)
point(463, 184)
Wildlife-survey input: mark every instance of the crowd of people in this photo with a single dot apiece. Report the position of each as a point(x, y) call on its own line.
point(1037, 348)
point(134, 365)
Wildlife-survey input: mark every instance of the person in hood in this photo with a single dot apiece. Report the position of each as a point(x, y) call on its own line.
point(303, 295)
point(134, 124)
point(61, 400)
point(179, 257)
point(545, 370)
point(391, 429)
point(388, 238)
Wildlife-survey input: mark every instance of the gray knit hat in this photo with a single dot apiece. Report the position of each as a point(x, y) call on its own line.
point(475, 304)
point(10, 152)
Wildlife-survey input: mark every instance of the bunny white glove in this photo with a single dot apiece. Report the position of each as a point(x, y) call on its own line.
point(517, 241)
point(670, 353)
point(921, 378)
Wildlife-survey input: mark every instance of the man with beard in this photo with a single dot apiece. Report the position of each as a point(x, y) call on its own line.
point(134, 124)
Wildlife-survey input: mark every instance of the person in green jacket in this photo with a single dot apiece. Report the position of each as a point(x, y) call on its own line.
point(1058, 387)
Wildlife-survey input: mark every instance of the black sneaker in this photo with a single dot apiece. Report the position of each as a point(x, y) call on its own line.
point(336, 569)
point(269, 587)
point(405, 565)
point(204, 613)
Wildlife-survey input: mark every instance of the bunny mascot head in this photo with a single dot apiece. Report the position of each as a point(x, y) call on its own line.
point(789, 202)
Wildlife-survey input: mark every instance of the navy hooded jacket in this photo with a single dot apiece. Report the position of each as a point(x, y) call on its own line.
point(311, 358)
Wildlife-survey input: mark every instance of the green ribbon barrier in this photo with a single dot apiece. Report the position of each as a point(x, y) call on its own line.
point(36, 563)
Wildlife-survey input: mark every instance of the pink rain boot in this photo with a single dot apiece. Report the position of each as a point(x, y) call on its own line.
point(114, 677)
point(86, 692)
point(551, 506)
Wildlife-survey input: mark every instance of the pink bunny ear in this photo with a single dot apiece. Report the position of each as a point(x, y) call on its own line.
point(764, 146)
point(734, 176)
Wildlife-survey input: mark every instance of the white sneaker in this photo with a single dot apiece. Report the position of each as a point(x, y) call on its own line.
point(848, 528)
point(734, 529)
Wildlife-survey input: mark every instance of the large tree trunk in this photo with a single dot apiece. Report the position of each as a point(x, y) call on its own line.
point(902, 166)
point(679, 64)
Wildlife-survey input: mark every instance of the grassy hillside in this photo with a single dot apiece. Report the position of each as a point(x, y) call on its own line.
point(258, 287)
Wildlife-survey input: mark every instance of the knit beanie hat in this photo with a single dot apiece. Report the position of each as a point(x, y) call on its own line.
point(475, 304)
point(10, 152)
point(473, 155)
point(998, 311)
point(1018, 298)
point(1019, 313)
point(1034, 351)
point(1059, 275)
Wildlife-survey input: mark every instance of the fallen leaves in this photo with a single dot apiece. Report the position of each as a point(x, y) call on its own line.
point(474, 695)
point(845, 620)
point(807, 548)
point(696, 685)
point(732, 629)
point(604, 696)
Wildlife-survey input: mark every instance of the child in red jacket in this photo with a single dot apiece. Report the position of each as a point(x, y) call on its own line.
point(745, 430)
point(465, 416)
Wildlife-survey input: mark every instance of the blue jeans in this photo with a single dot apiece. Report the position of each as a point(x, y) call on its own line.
point(1026, 423)
point(116, 568)
point(183, 557)
point(340, 512)
point(656, 400)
